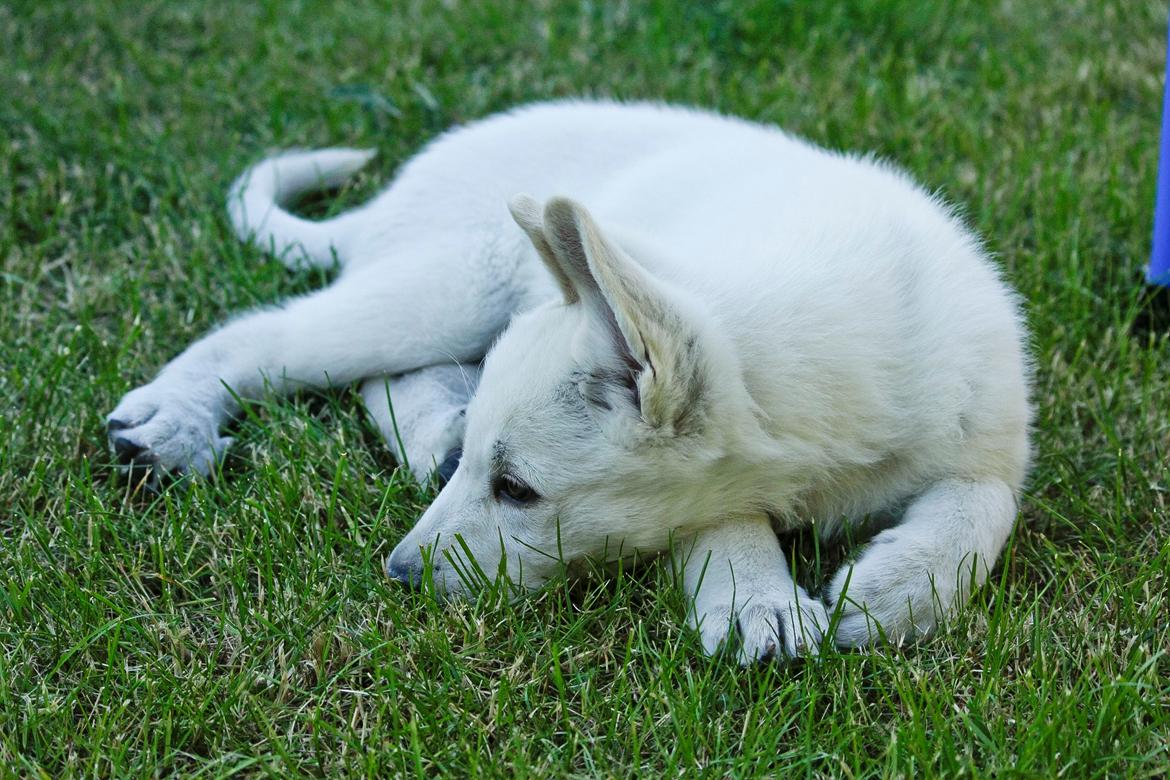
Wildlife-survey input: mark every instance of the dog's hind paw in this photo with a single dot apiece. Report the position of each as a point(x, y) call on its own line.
point(767, 628)
point(155, 432)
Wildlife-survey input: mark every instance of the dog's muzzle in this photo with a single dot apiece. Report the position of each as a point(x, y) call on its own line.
point(407, 574)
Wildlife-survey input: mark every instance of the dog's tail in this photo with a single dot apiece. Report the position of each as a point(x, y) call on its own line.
point(256, 199)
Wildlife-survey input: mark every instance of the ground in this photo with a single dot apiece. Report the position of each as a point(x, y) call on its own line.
point(243, 626)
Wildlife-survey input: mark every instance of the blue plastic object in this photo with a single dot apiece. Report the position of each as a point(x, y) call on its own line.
point(1158, 271)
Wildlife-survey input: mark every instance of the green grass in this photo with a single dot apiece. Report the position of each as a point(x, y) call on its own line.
point(242, 626)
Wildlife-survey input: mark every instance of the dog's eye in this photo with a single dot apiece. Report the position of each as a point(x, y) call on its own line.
point(513, 490)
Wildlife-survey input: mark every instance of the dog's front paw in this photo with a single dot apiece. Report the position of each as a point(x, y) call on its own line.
point(768, 626)
point(158, 430)
point(889, 593)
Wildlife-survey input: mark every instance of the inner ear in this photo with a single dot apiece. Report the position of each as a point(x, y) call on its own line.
point(657, 346)
point(588, 258)
point(610, 282)
point(526, 211)
point(565, 236)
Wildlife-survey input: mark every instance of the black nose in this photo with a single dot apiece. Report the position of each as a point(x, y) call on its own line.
point(406, 574)
point(448, 466)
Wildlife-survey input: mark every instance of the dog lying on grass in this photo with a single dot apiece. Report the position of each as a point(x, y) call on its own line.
point(692, 333)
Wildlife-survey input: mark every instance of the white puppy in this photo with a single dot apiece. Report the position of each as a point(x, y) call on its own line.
point(740, 334)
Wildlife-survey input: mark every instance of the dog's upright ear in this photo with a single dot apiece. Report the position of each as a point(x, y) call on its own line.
point(654, 340)
point(526, 212)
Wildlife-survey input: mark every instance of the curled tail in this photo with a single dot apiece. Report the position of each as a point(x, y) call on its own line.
point(256, 199)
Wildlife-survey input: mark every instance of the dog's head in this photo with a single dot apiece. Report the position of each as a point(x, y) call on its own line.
point(592, 433)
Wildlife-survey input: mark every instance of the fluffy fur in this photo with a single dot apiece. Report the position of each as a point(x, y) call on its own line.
point(726, 332)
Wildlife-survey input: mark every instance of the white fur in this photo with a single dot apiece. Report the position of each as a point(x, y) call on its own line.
point(737, 333)
point(255, 198)
point(739, 578)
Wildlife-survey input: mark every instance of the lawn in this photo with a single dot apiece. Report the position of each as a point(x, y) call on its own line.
point(242, 626)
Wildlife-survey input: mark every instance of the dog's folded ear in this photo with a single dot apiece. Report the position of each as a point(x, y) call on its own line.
point(648, 327)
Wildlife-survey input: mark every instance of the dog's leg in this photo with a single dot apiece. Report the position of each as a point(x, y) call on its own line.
point(911, 575)
point(421, 415)
point(739, 581)
point(373, 321)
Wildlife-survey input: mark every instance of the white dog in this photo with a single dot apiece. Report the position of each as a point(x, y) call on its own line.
point(739, 334)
